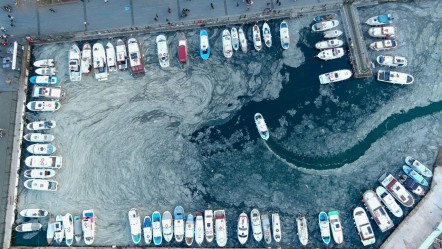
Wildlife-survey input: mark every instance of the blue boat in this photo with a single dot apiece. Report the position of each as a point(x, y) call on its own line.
point(204, 45)
point(156, 227)
point(44, 80)
point(324, 227)
point(416, 176)
point(178, 223)
point(147, 229)
point(380, 20)
point(325, 17)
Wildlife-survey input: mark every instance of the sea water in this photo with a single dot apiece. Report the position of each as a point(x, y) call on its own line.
point(186, 135)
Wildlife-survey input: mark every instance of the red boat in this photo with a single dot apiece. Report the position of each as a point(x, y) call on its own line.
point(182, 49)
point(135, 58)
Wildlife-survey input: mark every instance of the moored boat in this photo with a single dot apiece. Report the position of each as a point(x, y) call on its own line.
point(44, 80)
point(395, 77)
point(178, 223)
point(100, 67)
point(88, 226)
point(335, 76)
point(47, 92)
point(110, 57)
point(382, 32)
point(413, 174)
point(41, 149)
point(182, 48)
point(332, 33)
point(256, 225)
point(39, 173)
point(46, 71)
point(39, 137)
point(410, 184)
point(190, 229)
point(383, 45)
point(330, 54)
point(257, 38)
point(418, 166)
point(392, 60)
point(156, 228)
point(163, 51)
point(235, 39)
point(44, 63)
point(121, 53)
point(208, 225)
point(333, 43)
point(68, 224)
point(86, 58)
point(34, 213)
point(276, 227)
point(135, 225)
point(227, 44)
point(58, 229)
point(43, 106)
point(74, 63)
point(266, 228)
point(363, 226)
point(78, 231)
point(261, 126)
point(147, 230)
point(199, 228)
point(301, 223)
point(284, 34)
point(167, 226)
point(50, 233)
point(28, 227)
point(220, 227)
point(44, 162)
point(396, 189)
point(204, 45)
point(324, 227)
point(242, 40)
point(377, 211)
point(380, 20)
point(136, 62)
point(326, 25)
point(389, 201)
point(243, 228)
point(325, 17)
point(336, 227)
point(267, 35)
point(42, 185)
point(41, 125)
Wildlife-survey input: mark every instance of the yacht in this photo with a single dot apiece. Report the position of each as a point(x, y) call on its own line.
point(336, 226)
point(44, 80)
point(42, 185)
point(204, 45)
point(135, 225)
point(190, 229)
point(147, 230)
point(235, 39)
point(330, 54)
point(47, 92)
point(380, 20)
point(227, 44)
point(392, 60)
point(110, 57)
point(156, 228)
point(332, 33)
point(178, 223)
point(121, 55)
point(284, 34)
point(242, 40)
point(266, 228)
point(41, 125)
point(78, 231)
point(395, 77)
point(34, 213)
point(324, 227)
point(88, 226)
point(325, 17)
point(267, 34)
point(163, 51)
point(377, 211)
point(86, 58)
point(363, 226)
point(301, 223)
point(58, 229)
point(39, 138)
point(396, 189)
point(199, 228)
point(100, 68)
point(41, 149)
point(326, 25)
point(43, 106)
point(256, 225)
point(68, 224)
point(383, 45)
point(333, 43)
point(182, 48)
point(208, 225)
point(220, 227)
point(135, 58)
point(28, 227)
point(261, 126)
point(335, 76)
point(389, 201)
point(243, 228)
point(74, 63)
point(382, 32)
point(46, 71)
point(418, 166)
point(276, 227)
point(167, 225)
point(39, 173)
point(44, 162)
point(257, 38)
point(44, 63)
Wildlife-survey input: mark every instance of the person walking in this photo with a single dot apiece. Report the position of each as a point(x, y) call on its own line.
point(211, 5)
point(52, 10)
point(169, 10)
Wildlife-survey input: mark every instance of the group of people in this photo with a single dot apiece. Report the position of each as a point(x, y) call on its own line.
point(4, 35)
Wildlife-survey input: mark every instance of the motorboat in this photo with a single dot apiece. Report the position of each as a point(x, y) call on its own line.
point(257, 42)
point(363, 226)
point(190, 229)
point(416, 176)
point(325, 17)
point(156, 228)
point(44, 80)
point(50, 233)
point(28, 227)
point(389, 201)
point(39, 137)
point(396, 189)
point(100, 67)
point(382, 32)
point(276, 227)
point(261, 126)
point(111, 57)
point(255, 218)
point(39, 173)
point(392, 60)
point(380, 20)
point(178, 223)
point(58, 229)
point(418, 166)
point(301, 223)
point(121, 53)
point(34, 213)
point(267, 35)
point(324, 227)
point(336, 226)
point(86, 58)
point(42, 185)
point(243, 228)
point(235, 39)
point(333, 43)
point(242, 40)
point(208, 225)
point(135, 58)
point(326, 25)
point(395, 77)
point(41, 149)
point(331, 54)
point(163, 51)
point(335, 76)
point(266, 228)
point(74, 63)
point(43, 106)
point(383, 45)
point(46, 71)
point(47, 92)
point(88, 226)
point(220, 227)
point(167, 226)
point(135, 225)
point(332, 33)
point(182, 48)
point(199, 228)
point(78, 231)
point(204, 45)
point(410, 184)
point(284, 34)
point(68, 224)
point(377, 211)
point(41, 125)
point(227, 44)
point(147, 230)
point(44, 63)
point(44, 162)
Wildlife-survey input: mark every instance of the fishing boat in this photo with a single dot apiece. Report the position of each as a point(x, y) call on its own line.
point(256, 225)
point(363, 226)
point(39, 137)
point(178, 223)
point(336, 226)
point(227, 44)
point(220, 227)
point(68, 224)
point(167, 226)
point(243, 228)
point(46, 71)
point(332, 33)
point(333, 43)
point(380, 20)
point(267, 34)
point(44, 162)
point(301, 223)
point(199, 228)
point(86, 58)
point(88, 226)
point(147, 230)
point(395, 77)
point(383, 45)
point(396, 189)
point(182, 48)
point(266, 228)
point(41, 125)
point(389, 201)
point(418, 166)
point(156, 228)
point(377, 211)
point(100, 67)
point(39, 173)
point(50, 232)
point(110, 57)
point(44, 63)
point(335, 76)
point(208, 225)
point(74, 63)
point(325, 17)
point(190, 228)
point(204, 45)
point(42, 185)
point(410, 184)
point(284, 34)
point(257, 38)
point(47, 92)
point(163, 51)
point(382, 32)
point(135, 58)
point(242, 40)
point(78, 231)
point(43, 106)
point(235, 39)
point(392, 60)
point(58, 229)
point(41, 149)
point(416, 176)
point(261, 125)
point(28, 227)
point(331, 54)
point(276, 227)
point(44, 80)
point(34, 213)
point(326, 25)
point(324, 227)
point(135, 225)
point(121, 55)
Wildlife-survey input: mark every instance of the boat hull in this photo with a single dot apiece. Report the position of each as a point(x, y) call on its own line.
point(204, 45)
point(243, 228)
point(301, 223)
point(418, 166)
point(74, 63)
point(242, 40)
point(257, 42)
point(284, 34)
point(227, 44)
point(255, 218)
point(163, 51)
point(324, 227)
point(267, 35)
point(389, 201)
point(362, 223)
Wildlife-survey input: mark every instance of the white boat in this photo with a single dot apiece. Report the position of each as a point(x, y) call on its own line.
point(332, 33)
point(136, 62)
point(50, 232)
point(266, 228)
point(257, 42)
point(74, 63)
point(167, 225)
point(41, 125)
point(58, 229)
point(323, 26)
point(39, 173)
point(39, 137)
point(242, 40)
point(44, 63)
point(135, 225)
point(43, 106)
point(396, 189)
point(178, 223)
point(330, 54)
point(276, 227)
point(121, 55)
point(392, 60)
point(88, 226)
point(46, 71)
point(157, 233)
point(163, 51)
point(68, 224)
point(208, 225)
point(44, 162)
point(100, 67)
point(111, 58)
point(190, 230)
point(418, 166)
point(335, 76)
point(243, 228)
point(28, 227)
point(363, 226)
point(235, 38)
point(301, 223)
point(324, 226)
point(86, 58)
point(389, 201)
point(333, 43)
point(199, 228)
point(220, 227)
point(47, 92)
point(256, 225)
point(383, 45)
point(78, 231)
point(395, 77)
point(227, 44)
point(41, 149)
point(336, 226)
point(261, 126)
point(382, 32)
point(377, 211)
point(284, 34)
point(34, 213)
point(147, 230)
point(266, 33)
point(42, 185)
point(380, 20)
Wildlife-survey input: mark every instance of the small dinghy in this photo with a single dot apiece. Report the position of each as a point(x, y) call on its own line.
point(39, 173)
point(28, 227)
point(325, 17)
point(47, 92)
point(41, 149)
point(135, 225)
point(243, 228)
point(163, 51)
point(156, 228)
point(333, 43)
point(43, 106)
point(392, 60)
point(178, 223)
point(413, 186)
point(220, 227)
point(74, 63)
point(78, 231)
point(416, 176)
point(266, 33)
point(190, 228)
point(208, 225)
point(41, 125)
point(44, 162)
point(301, 223)
point(50, 233)
point(382, 32)
point(257, 38)
point(261, 126)
point(86, 58)
point(383, 45)
point(167, 226)
point(389, 201)
point(34, 213)
point(42, 185)
point(266, 228)
point(332, 33)
point(377, 211)
point(58, 229)
point(121, 55)
point(380, 20)
point(88, 226)
point(363, 226)
point(111, 58)
point(324, 226)
point(335, 76)
point(418, 166)
point(147, 230)
point(204, 45)
point(227, 44)
point(242, 40)
point(336, 227)
point(46, 71)
point(100, 67)
point(39, 137)
point(276, 226)
point(182, 48)
point(396, 189)
point(68, 224)
point(199, 228)
point(235, 39)
point(323, 26)
point(44, 63)
point(44, 80)
point(256, 225)
point(331, 54)
point(284, 34)
point(393, 77)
